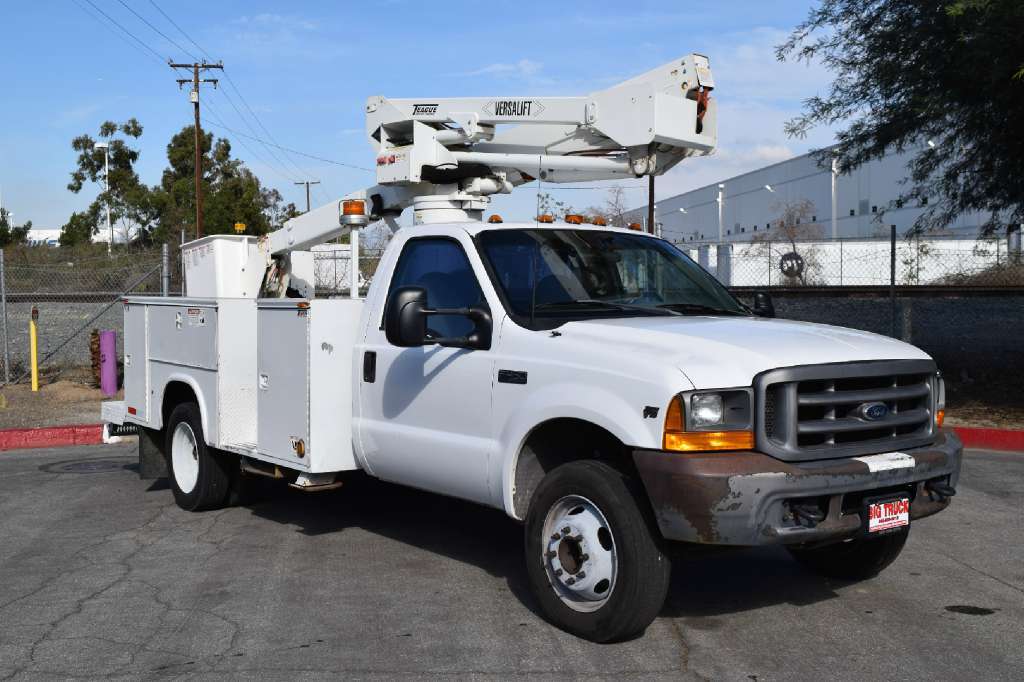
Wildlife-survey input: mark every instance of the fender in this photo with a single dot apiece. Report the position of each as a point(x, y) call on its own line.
point(597, 405)
point(201, 398)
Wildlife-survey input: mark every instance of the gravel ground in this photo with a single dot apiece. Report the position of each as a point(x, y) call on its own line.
point(101, 575)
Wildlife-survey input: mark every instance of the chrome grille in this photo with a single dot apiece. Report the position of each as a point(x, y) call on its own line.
point(845, 409)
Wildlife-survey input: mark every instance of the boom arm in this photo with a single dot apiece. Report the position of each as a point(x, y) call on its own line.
point(445, 157)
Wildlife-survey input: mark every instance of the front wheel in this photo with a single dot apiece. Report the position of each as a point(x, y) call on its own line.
point(592, 554)
point(856, 559)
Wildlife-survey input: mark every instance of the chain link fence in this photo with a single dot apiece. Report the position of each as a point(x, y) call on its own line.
point(862, 262)
point(73, 292)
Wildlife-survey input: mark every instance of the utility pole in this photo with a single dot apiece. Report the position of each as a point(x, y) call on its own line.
point(307, 183)
point(194, 96)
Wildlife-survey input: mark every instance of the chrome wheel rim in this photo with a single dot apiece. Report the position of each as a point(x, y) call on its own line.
point(578, 553)
point(185, 457)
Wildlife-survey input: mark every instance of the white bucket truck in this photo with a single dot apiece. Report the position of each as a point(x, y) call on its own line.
point(591, 381)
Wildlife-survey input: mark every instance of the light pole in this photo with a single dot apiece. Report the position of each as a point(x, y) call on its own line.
point(105, 146)
point(721, 203)
point(835, 225)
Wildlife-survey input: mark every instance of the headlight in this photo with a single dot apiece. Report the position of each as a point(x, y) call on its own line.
point(710, 420)
point(940, 400)
point(706, 409)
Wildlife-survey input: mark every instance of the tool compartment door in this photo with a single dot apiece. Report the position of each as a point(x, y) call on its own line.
point(282, 381)
point(136, 369)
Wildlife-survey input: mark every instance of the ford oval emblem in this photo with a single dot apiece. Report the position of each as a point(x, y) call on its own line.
point(872, 412)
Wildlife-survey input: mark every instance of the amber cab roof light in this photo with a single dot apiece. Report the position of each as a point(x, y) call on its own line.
point(495, 219)
point(545, 218)
point(574, 219)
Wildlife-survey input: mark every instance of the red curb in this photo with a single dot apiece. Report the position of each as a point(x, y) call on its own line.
point(992, 439)
point(92, 434)
point(51, 436)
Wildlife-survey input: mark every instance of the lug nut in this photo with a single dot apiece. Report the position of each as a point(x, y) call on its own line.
point(551, 554)
point(556, 536)
point(566, 530)
point(558, 572)
point(570, 581)
point(585, 557)
point(581, 575)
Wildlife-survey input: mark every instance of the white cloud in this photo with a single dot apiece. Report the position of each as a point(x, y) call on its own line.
point(524, 68)
point(279, 21)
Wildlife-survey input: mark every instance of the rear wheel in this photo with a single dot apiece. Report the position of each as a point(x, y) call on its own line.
point(198, 474)
point(592, 555)
point(856, 559)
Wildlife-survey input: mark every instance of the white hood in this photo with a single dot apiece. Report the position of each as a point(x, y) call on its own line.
point(721, 352)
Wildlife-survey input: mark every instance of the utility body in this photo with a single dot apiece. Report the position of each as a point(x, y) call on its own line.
point(593, 382)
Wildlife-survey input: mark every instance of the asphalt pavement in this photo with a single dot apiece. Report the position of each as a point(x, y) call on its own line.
point(101, 575)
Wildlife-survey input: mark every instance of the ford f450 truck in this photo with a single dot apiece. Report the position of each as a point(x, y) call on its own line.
point(593, 382)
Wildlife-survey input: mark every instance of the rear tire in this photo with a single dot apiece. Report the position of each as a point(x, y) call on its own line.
point(856, 559)
point(606, 578)
point(199, 475)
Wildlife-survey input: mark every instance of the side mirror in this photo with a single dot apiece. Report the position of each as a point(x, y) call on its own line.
point(405, 321)
point(763, 306)
point(405, 317)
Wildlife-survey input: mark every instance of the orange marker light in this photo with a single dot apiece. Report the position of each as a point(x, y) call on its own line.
point(495, 219)
point(353, 207)
point(574, 219)
point(546, 218)
point(940, 416)
point(599, 221)
point(635, 226)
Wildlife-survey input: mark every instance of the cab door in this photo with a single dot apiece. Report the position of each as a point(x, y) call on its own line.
point(425, 417)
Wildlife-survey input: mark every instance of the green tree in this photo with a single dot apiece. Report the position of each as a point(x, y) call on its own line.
point(9, 233)
point(80, 227)
point(131, 206)
point(231, 192)
point(909, 71)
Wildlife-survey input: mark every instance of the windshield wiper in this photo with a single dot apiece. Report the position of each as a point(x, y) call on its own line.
point(698, 309)
point(659, 310)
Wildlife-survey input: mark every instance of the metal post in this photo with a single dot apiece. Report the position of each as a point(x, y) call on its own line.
point(353, 261)
point(721, 202)
point(165, 270)
point(106, 188)
point(3, 321)
point(650, 203)
point(835, 226)
point(892, 279)
point(840, 262)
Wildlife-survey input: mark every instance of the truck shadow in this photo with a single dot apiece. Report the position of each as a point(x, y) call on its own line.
point(705, 582)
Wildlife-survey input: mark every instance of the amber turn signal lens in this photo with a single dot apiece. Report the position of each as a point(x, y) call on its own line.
point(701, 441)
point(353, 207)
point(678, 439)
point(940, 416)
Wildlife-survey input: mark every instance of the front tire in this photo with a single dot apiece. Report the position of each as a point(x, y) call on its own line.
point(592, 555)
point(857, 559)
point(198, 474)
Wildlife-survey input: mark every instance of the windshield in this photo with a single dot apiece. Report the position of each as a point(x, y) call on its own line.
point(548, 276)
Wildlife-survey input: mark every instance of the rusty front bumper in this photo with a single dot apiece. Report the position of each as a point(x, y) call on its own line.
point(749, 498)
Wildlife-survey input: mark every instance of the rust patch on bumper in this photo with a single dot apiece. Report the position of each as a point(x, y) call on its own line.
point(736, 498)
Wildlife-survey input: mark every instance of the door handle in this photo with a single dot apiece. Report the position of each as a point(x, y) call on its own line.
point(370, 366)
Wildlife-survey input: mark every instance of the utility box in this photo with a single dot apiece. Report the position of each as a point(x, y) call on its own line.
point(304, 382)
point(223, 266)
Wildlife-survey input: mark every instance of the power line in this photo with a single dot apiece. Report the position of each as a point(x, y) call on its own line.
point(295, 151)
point(180, 29)
point(132, 35)
point(219, 122)
point(165, 36)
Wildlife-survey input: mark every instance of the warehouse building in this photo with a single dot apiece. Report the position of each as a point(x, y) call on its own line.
point(740, 208)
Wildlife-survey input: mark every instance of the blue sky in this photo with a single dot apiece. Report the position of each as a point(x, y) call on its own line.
point(306, 68)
